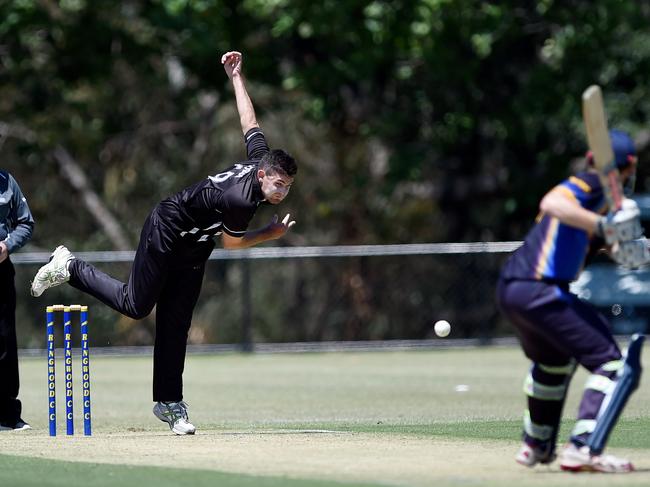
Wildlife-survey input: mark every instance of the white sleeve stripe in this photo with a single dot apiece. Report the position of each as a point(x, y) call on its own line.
point(258, 132)
point(234, 231)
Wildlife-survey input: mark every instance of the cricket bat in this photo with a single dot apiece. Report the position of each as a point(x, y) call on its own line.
point(593, 114)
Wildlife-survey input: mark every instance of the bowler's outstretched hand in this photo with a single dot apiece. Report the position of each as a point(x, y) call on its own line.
point(232, 63)
point(278, 229)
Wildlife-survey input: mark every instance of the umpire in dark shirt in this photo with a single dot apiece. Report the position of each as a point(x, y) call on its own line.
point(16, 225)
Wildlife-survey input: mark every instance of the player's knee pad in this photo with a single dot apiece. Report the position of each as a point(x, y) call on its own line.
point(604, 378)
point(598, 387)
point(617, 394)
point(548, 382)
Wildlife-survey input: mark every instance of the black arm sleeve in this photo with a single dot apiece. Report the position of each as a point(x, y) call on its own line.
point(256, 145)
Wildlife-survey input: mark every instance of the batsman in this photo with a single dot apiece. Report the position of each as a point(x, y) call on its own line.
point(559, 331)
point(176, 241)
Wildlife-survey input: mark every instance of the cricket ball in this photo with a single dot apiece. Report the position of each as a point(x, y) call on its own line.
point(442, 328)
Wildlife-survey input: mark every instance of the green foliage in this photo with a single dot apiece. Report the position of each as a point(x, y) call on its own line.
point(467, 99)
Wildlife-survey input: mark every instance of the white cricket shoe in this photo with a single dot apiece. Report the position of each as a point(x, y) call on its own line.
point(529, 456)
point(53, 273)
point(580, 459)
point(175, 414)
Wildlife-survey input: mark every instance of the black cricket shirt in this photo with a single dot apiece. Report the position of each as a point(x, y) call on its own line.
point(225, 202)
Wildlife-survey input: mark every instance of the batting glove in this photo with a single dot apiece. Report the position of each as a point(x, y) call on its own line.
point(622, 226)
point(631, 254)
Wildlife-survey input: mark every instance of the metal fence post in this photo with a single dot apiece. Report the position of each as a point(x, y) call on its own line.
point(247, 305)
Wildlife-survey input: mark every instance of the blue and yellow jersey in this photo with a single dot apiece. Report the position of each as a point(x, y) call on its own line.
point(555, 251)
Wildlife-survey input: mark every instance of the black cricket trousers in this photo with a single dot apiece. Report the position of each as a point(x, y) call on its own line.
point(157, 278)
point(10, 407)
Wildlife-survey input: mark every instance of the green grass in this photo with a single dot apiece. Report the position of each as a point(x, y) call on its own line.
point(397, 419)
point(37, 472)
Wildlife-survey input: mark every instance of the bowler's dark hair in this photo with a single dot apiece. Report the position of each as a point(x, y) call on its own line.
point(279, 161)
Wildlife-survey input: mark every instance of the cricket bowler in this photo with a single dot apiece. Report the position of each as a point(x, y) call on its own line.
point(176, 241)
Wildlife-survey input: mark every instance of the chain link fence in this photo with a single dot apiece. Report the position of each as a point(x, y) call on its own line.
point(332, 294)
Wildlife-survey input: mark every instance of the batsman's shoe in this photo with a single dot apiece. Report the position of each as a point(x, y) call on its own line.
point(175, 414)
point(579, 459)
point(53, 273)
point(529, 456)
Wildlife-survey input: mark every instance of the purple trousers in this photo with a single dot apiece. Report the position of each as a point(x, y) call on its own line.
point(557, 331)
